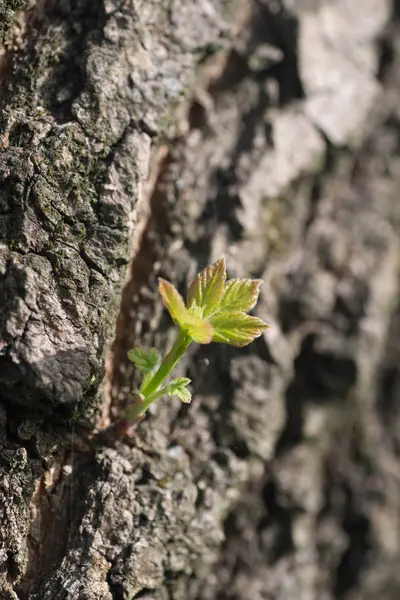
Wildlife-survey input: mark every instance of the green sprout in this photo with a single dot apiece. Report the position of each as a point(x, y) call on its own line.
point(216, 311)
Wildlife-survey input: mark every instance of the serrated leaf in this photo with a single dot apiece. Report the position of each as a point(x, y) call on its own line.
point(173, 301)
point(208, 287)
point(177, 387)
point(240, 295)
point(179, 382)
point(199, 329)
point(236, 328)
point(195, 310)
point(145, 360)
point(184, 395)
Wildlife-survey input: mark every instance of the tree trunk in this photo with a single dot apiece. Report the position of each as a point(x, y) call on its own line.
point(146, 138)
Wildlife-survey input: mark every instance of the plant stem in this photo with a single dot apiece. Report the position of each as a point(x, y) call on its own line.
point(150, 390)
point(139, 407)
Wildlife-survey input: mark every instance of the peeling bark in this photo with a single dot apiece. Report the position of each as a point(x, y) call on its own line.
point(171, 133)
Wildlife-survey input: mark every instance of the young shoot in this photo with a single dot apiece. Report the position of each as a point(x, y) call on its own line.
point(215, 311)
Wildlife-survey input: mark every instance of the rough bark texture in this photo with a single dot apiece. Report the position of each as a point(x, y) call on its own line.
point(174, 132)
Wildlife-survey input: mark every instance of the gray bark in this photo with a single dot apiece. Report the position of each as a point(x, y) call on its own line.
point(146, 138)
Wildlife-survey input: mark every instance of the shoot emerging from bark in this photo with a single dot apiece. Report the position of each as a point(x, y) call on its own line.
point(216, 311)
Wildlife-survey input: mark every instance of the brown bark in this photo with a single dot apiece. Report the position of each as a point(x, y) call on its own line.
point(175, 132)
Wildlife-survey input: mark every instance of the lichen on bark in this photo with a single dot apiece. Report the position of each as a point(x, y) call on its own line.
point(8, 8)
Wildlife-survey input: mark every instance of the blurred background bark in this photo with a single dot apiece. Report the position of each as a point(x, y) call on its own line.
point(146, 138)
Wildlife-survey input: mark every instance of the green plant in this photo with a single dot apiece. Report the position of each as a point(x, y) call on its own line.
point(216, 310)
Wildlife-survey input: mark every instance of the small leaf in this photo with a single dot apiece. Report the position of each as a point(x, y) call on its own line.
point(179, 382)
point(208, 287)
point(173, 301)
point(240, 294)
point(199, 329)
point(145, 360)
point(236, 328)
point(177, 387)
point(195, 310)
point(184, 395)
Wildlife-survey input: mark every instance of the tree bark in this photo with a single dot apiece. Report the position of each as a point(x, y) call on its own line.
point(145, 138)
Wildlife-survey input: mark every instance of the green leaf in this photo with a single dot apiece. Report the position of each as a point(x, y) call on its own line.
point(173, 301)
point(145, 360)
point(240, 295)
point(177, 387)
point(199, 329)
point(208, 287)
point(236, 328)
point(195, 310)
